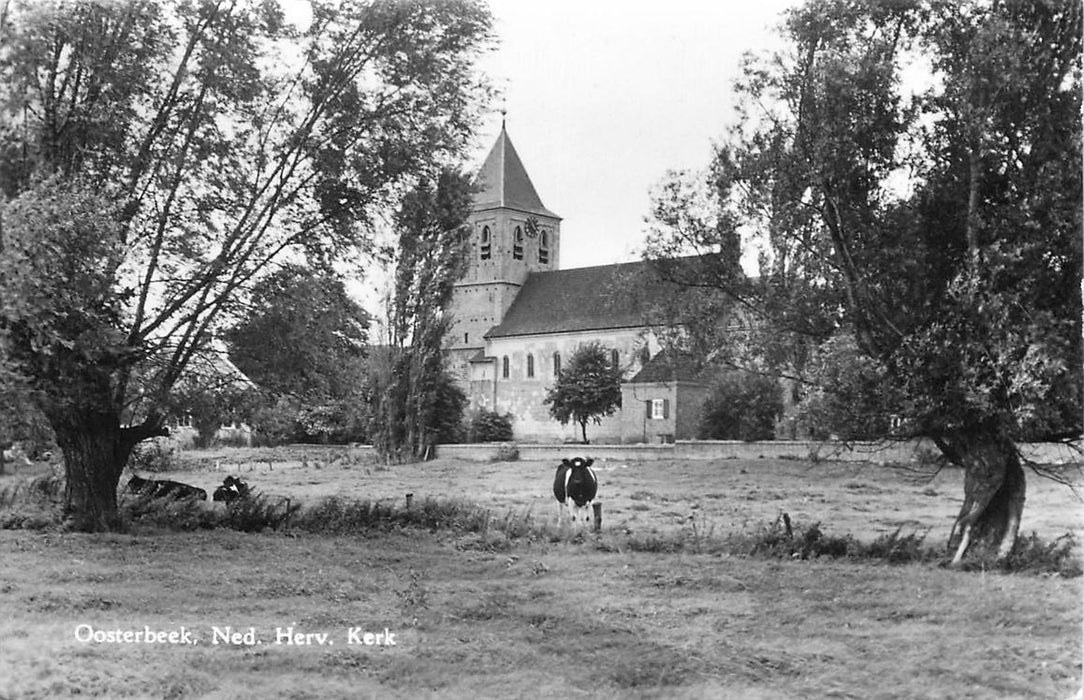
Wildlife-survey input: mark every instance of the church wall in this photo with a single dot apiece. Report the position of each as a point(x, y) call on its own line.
point(523, 396)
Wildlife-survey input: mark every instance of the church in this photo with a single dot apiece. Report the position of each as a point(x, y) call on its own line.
point(518, 316)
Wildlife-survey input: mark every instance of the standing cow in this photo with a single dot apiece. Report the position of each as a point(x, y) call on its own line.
point(575, 481)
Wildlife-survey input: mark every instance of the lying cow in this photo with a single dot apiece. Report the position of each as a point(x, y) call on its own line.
point(575, 481)
point(232, 489)
point(156, 488)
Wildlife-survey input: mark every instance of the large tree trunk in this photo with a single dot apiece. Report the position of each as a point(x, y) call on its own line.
point(994, 491)
point(95, 449)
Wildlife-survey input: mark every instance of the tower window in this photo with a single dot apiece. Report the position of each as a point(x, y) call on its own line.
point(504, 367)
point(517, 244)
point(530, 366)
point(487, 244)
point(544, 248)
point(556, 364)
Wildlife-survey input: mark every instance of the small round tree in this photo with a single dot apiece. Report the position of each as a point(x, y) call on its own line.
point(588, 389)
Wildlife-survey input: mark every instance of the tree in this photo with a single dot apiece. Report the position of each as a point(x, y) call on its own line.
point(851, 395)
point(212, 393)
point(157, 158)
point(741, 406)
point(589, 388)
point(303, 336)
point(415, 402)
point(938, 229)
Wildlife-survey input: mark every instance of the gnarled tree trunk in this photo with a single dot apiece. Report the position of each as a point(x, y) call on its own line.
point(994, 492)
point(95, 449)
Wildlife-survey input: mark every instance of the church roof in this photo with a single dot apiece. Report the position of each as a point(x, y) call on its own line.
point(504, 182)
point(579, 299)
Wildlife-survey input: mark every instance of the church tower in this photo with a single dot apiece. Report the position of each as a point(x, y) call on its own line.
point(511, 235)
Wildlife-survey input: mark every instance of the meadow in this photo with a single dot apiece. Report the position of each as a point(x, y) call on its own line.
point(656, 605)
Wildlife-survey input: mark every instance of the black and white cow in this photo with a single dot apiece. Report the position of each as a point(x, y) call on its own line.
point(575, 481)
point(161, 488)
point(232, 489)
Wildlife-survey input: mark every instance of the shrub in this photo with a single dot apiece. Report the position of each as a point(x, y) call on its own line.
point(337, 516)
point(184, 514)
point(490, 426)
point(853, 399)
point(741, 406)
point(1033, 555)
point(157, 455)
point(507, 453)
point(900, 549)
point(256, 513)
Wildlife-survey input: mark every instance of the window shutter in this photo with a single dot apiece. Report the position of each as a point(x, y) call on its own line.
point(648, 402)
point(666, 408)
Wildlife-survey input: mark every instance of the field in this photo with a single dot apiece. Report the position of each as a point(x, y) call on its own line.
point(549, 616)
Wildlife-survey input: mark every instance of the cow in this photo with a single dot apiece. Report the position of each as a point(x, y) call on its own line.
point(232, 489)
point(575, 481)
point(156, 488)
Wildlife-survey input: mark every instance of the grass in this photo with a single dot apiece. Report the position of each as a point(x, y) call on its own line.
point(556, 618)
point(692, 596)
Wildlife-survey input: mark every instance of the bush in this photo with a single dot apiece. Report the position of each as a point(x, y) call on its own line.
point(157, 455)
point(256, 513)
point(490, 426)
point(507, 453)
point(184, 514)
point(1032, 555)
point(853, 399)
point(741, 406)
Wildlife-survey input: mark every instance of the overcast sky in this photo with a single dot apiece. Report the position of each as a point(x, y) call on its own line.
point(603, 97)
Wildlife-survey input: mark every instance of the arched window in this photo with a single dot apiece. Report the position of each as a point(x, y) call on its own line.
point(530, 366)
point(504, 367)
point(614, 359)
point(544, 247)
point(556, 364)
point(487, 244)
point(517, 244)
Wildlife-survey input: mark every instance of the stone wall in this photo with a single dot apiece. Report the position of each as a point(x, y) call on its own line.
point(884, 453)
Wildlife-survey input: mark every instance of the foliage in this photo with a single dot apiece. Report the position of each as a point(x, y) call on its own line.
point(490, 426)
point(301, 335)
point(336, 422)
point(741, 406)
point(588, 388)
point(157, 455)
point(852, 398)
point(276, 422)
point(157, 158)
point(210, 399)
point(932, 227)
point(414, 402)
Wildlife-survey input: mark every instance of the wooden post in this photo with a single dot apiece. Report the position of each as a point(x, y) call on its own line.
point(597, 507)
point(409, 500)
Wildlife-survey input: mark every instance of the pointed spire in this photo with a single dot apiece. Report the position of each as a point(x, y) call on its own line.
point(504, 181)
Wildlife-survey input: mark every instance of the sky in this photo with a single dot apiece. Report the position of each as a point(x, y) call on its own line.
point(604, 97)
